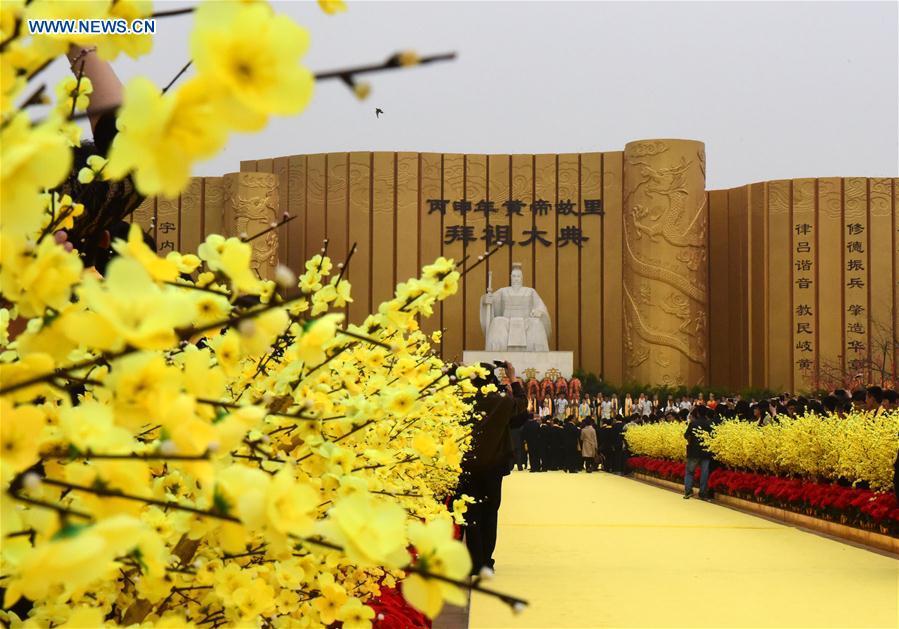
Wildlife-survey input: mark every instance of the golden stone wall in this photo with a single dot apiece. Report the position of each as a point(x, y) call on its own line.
point(665, 277)
point(232, 205)
point(251, 207)
point(784, 284)
point(804, 283)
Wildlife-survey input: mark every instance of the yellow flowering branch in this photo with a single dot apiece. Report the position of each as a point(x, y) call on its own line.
point(286, 219)
point(15, 492)
point(517, 604)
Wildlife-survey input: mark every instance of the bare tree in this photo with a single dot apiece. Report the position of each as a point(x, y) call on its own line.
point(873, 365)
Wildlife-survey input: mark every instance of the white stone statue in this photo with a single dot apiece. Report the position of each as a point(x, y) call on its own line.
point(515, 319)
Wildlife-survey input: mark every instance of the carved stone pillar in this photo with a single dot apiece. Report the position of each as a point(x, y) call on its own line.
point(666, 302)
point(251, 207)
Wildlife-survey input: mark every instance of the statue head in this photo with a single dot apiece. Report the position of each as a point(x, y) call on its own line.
point(516, 277)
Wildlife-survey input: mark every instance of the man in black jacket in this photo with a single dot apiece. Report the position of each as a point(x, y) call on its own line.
point(489, 459)
point(697, 453)
point(531, 435)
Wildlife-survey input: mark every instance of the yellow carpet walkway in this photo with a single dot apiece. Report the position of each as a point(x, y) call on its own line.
point(596, 550)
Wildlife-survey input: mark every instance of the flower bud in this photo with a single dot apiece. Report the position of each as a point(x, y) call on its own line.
point(31, 481)
point(285, 277)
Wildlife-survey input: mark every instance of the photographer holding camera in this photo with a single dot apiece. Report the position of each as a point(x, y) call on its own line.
point(491, 457)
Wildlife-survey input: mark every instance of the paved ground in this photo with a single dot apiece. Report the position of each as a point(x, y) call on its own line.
point(595, 550)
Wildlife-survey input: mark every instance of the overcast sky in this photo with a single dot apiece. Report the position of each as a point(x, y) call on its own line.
point(774, 89)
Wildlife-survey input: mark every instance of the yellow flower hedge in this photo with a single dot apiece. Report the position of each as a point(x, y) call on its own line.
point(663, 440)
point(859, 447)
point(181, 443)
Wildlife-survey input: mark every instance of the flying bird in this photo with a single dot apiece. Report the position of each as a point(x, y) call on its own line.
point(378, 112)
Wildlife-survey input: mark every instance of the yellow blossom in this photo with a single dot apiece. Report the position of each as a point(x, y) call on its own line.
point(370, 530)
point(332, 7)
point(254, 55)
point(71, 89)
point(439, 554)
point(164, 134)
point(31, 159)
point(19, 428)
point(37, 278)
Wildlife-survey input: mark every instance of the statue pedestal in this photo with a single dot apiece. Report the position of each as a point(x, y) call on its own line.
point(541, 361)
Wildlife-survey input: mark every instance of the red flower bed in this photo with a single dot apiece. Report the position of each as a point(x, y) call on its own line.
point(393, 612)
point(873, 510)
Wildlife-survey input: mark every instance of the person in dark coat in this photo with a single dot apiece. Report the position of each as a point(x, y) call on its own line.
point(546, 433)
point(616, 435)
point(697, 453)
point(572, 445)
point(488, 461)
point(554, 444)
point(518, 447)
point(605, 436)
point(532, 439)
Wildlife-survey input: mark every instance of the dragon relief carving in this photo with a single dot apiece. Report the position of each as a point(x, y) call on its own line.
point(696, 291)
point(664, 220)
point(253, 203)
point(692, 350)
point(692, 321)
point(634, 356)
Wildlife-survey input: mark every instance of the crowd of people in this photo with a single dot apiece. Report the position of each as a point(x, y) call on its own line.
point(644, 408)
point(588, 434)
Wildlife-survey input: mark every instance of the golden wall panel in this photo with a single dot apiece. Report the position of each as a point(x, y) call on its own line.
point(757, 285)
point(665, 277)
point(738, 240)
point(613, 259)
point(431, 221)
point(746, 322)
point(296, 204)
point(522, 190)
point(337, 211)
point(881, 335)
point(168, 219)
point(281, 170)
point(896, 276)
point(567, 268)
point(453, 315)
point(780, 335)
point(383, 229)
point(719, 290)
point(192, 216)
point(804, 284)
point(499, 175)
point(475, 283)
point(213, 205)
point(251, 205)
point(145, 216)
point(856, 282)
point(315, 222)
point(545, 223)
point(359, 272)
point(830, 280)
point(592, 276)
point(407, 216)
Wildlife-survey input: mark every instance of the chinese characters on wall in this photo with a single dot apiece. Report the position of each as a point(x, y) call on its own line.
point(804, 302)
point(856, 296)
point(495, 233)
point(165, 232)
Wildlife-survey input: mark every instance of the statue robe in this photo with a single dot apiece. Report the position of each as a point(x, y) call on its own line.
point(510, 326)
